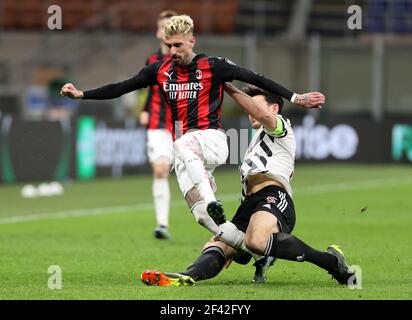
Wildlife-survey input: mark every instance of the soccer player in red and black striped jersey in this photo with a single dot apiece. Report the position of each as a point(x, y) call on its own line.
point(192, 85)
point(157, 118)
point(155, 115)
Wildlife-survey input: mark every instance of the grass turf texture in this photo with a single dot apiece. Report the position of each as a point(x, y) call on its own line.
point(100, 234)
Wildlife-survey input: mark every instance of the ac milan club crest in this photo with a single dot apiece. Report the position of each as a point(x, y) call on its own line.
point(199, 74)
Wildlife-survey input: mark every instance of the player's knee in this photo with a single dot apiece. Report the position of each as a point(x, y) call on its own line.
point(255, 243)
point(210, 243)
point(227, 250)
point(160, 175)
point(213, 243)
point(184, 150)
point(161, 172)
point(214, 158)
point(181, 147)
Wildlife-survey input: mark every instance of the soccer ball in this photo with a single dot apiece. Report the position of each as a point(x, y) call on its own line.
point(29, 191)
point(44, 190)
point(56, 188)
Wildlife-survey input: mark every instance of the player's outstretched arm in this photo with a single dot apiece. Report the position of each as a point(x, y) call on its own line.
point(146, 77)
point(229, 71)
point(307, 100)
point(251, 107)
point(109, 91)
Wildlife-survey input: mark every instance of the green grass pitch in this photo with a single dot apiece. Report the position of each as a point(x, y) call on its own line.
point(100, 234)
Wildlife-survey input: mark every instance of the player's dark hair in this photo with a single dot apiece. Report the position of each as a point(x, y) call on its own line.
point(269, 97)
point(167, 14)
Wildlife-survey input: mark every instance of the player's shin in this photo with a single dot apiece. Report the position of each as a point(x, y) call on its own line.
point(286, 246)
point(161, 196)
point(207, 265)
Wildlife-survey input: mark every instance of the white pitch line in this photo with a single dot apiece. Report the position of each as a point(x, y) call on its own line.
point(75, 213)
point(228, 197)
point(349, 186)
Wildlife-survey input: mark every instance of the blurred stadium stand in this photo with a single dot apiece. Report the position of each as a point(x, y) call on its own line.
point(326, 17)
point(304, 44)
point(9, 104)
point(270, 17)
point(216, 16)
point(390, 16)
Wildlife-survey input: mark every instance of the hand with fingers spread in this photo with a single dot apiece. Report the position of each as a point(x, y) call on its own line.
point(70, 91)
point(310, 100)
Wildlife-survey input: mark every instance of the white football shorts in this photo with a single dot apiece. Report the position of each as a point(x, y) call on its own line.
point(159, 146)
point(211, 146)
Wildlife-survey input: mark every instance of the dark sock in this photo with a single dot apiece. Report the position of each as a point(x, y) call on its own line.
point(207, 265)
point(285, 246)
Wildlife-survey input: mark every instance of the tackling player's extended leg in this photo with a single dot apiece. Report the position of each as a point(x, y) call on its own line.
point(268, 221)
point(212, 260)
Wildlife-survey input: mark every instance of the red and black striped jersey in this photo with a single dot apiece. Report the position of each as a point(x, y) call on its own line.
point(160, 117)
point(193, 92)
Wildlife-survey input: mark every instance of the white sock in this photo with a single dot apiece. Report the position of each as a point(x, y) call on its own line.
point(232, 236)
point(254, 255)
point(202, 217)
point(197, 172)
point(161, 197)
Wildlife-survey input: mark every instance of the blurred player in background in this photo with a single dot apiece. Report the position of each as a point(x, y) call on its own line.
point(266, 214)
point(157, 118)
point(193, 87)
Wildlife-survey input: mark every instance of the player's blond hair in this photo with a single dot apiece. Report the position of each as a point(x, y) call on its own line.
point(182, 24)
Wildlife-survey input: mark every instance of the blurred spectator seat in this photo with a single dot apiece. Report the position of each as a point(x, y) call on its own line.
point(224, 16)
point(402, 16)
point(376, 21)
point(31, 14)
point(60, 107)
point(10, 104)
point(389, 16)
point(329, 17)
point(129, 15)
point(4, 73)
point(269, 17)
point(37, 99)
point(100, 109)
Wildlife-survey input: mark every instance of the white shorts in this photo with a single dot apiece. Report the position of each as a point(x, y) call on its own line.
point(211, 146)
point(159, 146)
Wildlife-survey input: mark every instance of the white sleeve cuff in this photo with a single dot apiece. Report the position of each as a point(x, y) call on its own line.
point(293, 98)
